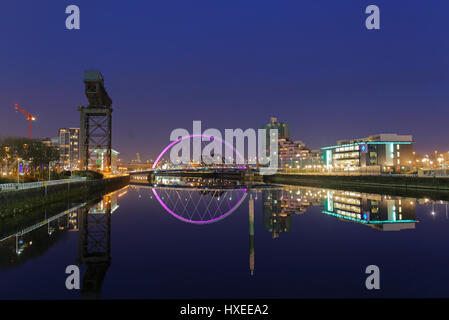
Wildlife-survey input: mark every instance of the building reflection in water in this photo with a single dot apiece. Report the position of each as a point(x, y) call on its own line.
point(92, 221)
point(20, 239)
point(280, 205)
point(384, 213)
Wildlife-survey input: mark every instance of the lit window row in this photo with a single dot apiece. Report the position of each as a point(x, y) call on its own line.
point(345, 155)
point(350, 148)
point(353, 162)
point(349, 214)
point(347, 207)
point(348, 200)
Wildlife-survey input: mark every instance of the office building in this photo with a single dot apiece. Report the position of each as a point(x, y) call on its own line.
point(374, 154)
point(99, 156)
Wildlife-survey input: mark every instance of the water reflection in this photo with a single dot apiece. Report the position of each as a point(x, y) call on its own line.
point(280, 205)
point(384, 213)
point(24, 240)
point(381, 212)
point(199, 201)
point(195, 182)
point(21, 240)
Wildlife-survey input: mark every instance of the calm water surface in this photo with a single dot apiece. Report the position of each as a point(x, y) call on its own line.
point(228, 241)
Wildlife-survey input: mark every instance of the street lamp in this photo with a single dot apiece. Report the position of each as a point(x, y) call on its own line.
point(49, 164)
point(18, 170)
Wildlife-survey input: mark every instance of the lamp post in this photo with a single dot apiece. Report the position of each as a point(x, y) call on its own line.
point(18, 170)
point(49, 171)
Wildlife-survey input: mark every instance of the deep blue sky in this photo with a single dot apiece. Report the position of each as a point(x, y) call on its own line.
point(230, 64)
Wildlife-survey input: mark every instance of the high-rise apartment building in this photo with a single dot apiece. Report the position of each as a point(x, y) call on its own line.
point(282, 127)
point(69, 148)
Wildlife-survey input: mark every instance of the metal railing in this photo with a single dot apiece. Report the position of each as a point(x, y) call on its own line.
point(352, 173)
point(30, 185)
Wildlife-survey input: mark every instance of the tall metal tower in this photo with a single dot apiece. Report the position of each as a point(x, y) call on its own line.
point(95, 122)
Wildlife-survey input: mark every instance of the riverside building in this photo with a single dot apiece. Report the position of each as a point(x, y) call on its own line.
point(69, 148)
point(381, 153)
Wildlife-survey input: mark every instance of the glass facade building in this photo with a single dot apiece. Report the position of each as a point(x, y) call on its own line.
point(378, 153)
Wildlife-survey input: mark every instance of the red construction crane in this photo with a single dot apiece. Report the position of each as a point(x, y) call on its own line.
point(29, 117)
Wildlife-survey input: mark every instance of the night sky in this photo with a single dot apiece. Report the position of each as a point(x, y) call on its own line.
point(231, 64)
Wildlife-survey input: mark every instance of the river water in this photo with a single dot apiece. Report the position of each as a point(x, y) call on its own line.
point(203, 239)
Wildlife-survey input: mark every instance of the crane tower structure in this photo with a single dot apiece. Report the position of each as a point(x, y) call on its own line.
point(28, 116)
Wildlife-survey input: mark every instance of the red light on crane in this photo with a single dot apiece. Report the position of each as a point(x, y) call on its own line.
point(28, 116)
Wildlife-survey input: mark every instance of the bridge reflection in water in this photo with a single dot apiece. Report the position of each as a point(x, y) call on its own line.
point(190, 199)
point(200, 201)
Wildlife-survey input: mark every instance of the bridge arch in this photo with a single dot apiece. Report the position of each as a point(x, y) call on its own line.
point(201, 220)
point(226, 144)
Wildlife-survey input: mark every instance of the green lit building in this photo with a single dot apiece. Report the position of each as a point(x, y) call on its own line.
point(384, 213)
point(100, 160)
point(374, 154)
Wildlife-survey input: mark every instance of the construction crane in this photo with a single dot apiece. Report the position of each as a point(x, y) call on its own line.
point(29, 117)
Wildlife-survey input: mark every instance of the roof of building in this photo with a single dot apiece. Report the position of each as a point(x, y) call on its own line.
point(366, 142)
point(382, 137)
